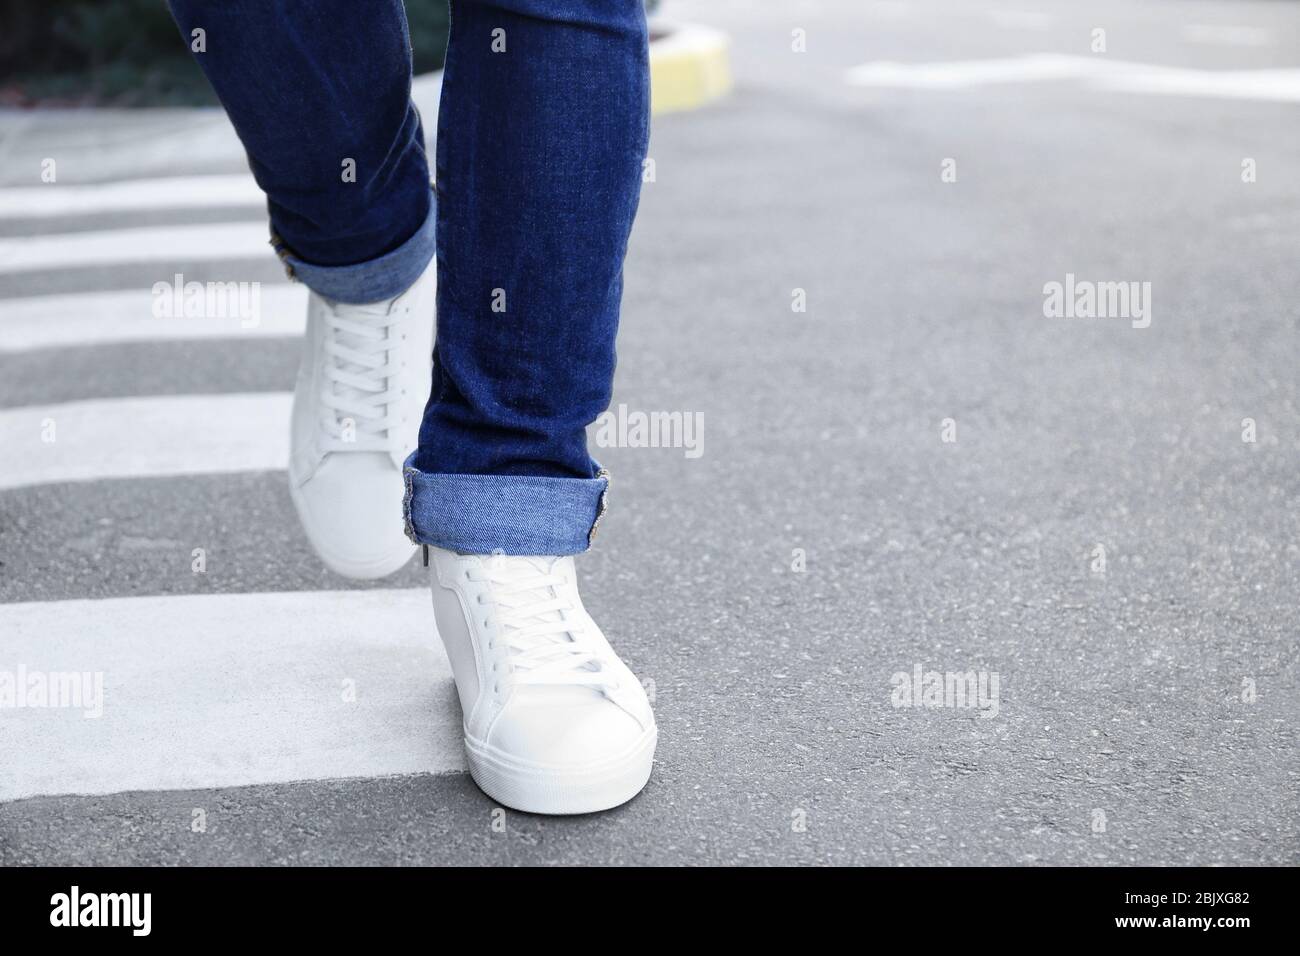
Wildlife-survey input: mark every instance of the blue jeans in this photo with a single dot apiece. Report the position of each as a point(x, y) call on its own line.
point(542, 132)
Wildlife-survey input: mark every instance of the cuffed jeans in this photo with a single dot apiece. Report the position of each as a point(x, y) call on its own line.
point(542, 132)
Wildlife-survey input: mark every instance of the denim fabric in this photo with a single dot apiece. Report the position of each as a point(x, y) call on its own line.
point(539, 159)
point(542, 132)
point(313, 89)
point(519, 514)
point(373, 280)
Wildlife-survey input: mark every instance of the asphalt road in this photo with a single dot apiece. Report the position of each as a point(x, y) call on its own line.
point(1124, 731)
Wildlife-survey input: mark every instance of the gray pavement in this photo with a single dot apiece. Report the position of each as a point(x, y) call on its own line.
point(1120, 693)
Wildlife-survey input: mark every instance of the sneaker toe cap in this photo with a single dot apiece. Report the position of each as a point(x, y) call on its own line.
point(563, 726)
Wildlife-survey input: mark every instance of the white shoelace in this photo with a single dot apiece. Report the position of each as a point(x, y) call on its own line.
point(546, 645)
point(360, 378)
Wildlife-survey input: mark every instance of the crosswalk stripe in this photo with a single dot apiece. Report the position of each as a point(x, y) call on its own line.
point(182, 192)
point(959, 74)
point(205, 242)
point(1227, 35)
point(1273, 86)
point(223, 690)
point(1020, 19)
point(156, 436)
point(1099, 73)
point(105, 318)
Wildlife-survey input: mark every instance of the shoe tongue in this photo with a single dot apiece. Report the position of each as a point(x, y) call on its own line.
point(353, 341)
point(541, 565)
point(518, 562)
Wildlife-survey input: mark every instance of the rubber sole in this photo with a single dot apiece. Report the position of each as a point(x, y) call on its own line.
point(370, 570)
point(560, 792)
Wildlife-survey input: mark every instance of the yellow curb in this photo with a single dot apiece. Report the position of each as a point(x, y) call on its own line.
point(689, 67)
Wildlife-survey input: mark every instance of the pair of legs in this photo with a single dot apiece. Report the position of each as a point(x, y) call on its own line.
point(542, 132)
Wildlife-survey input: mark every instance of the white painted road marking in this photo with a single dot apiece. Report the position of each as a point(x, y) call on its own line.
point(1020, 19)
point(888, 9)
point(182, 192)
point(157, 436)
point(104, 318)
point(205, 691)
point(202, 242)
point(1273, 86)
point(1096, 72)
point(961, 74)
point(1227, 35)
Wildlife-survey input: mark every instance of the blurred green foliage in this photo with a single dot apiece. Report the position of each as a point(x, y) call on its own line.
point(129, 52)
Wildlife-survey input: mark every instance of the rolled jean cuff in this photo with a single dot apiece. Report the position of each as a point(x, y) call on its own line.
point(511, 514)
point(374, 280)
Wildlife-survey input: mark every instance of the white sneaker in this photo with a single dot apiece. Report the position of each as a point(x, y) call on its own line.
point(357, 406)
point(554, 721)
